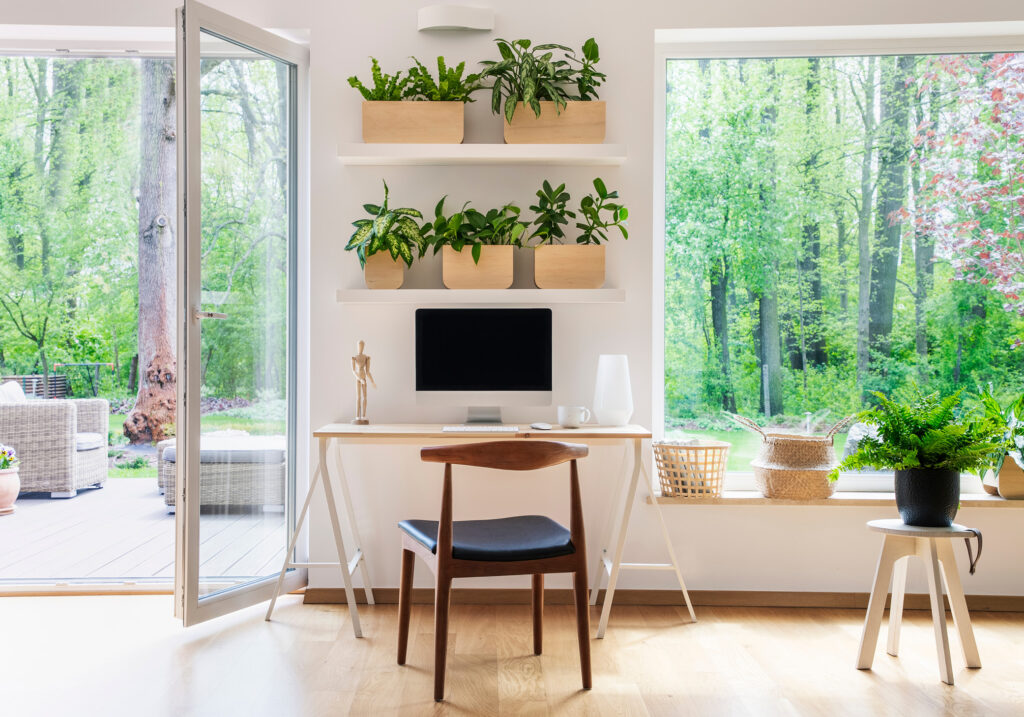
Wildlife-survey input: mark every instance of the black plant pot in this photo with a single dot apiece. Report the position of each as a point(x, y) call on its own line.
point(927, 496)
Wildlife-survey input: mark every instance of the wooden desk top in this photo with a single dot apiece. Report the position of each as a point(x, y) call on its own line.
point(416, 431)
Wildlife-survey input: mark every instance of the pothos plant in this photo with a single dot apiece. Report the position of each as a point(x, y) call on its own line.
point(598, 213)
point(470, 227)
point(529, 74)
point(1008, 421)
point(392, 230)
point(925, 432)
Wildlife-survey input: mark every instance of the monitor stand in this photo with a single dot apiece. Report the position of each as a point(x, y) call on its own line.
point(483, 414)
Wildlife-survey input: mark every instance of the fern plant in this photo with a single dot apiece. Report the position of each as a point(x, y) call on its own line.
point(450, 85)
point(386, 88)
point(924, 433)
point(392, 230)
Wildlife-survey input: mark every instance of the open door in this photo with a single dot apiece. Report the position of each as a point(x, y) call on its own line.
point(241, 122)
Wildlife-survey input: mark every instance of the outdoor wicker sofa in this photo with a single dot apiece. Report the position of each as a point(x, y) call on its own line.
point(239, 471)
point(62, 444)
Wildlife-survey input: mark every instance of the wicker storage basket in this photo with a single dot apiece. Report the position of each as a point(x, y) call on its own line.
point(794, 466)
point(691, 470)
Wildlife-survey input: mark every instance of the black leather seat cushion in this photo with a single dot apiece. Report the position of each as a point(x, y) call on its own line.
point(523, 537)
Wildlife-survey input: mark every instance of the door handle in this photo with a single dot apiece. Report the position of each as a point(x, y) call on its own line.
point(209, 315)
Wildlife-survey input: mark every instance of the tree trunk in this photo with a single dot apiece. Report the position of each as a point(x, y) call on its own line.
point(771, 348)
point(812, 340)
point(155, 405)
point(924, 247)
point(720, 325)
point(893, 152)
point(864, 224)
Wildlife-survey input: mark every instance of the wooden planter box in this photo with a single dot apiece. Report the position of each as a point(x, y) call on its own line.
point(413, 122)
point(383, 272)
point(577, 123)
point(493, 272)
point(568, 266)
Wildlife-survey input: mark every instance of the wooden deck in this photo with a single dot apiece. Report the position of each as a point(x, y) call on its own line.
point(123, 533)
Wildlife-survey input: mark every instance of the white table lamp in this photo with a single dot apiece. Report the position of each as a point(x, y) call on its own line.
point(613, 395)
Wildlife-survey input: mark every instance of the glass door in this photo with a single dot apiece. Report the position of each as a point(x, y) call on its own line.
point(240, 119)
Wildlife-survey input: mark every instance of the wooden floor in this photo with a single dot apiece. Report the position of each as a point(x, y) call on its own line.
point(123, 532)
point(127, 656)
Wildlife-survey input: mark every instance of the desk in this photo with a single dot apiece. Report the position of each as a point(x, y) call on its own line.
point(608, 560)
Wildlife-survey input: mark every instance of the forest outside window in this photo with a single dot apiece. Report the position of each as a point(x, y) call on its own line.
point(836, 226)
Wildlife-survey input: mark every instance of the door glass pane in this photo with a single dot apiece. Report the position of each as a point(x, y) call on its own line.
point(244, 425)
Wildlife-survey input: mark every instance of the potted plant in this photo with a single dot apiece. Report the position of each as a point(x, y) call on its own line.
point(491, 238)
point(580, 265)
point(416, 108)
point(1007, 461)
point(546, 98)
point(385, 241)
point(10, 484)
point(928, 446)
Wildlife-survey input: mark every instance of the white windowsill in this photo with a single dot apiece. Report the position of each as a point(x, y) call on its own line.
point(840, 498)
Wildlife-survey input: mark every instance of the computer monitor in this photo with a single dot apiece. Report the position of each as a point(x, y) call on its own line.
point(483, 359)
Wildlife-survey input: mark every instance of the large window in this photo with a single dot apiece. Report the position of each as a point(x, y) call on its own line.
point(835, 226)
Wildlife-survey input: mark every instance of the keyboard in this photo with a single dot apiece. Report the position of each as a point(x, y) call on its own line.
point(480, 429)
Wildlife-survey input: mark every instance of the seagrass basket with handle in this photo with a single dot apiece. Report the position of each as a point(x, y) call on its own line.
point(691, 469)
point(794, 466)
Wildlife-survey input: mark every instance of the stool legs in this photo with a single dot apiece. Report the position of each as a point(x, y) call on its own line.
point(893, 549)
point(928, 553)
point(538, 613)
point(899, 589)
point(405, 602)
point(958, 605)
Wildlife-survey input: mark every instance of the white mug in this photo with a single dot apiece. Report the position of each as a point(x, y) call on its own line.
point(573, 416)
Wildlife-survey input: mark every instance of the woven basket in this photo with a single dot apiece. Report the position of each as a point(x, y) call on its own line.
point(794, 466)
point(691, 471)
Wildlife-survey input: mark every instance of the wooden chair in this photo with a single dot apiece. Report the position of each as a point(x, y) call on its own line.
point(520, 545)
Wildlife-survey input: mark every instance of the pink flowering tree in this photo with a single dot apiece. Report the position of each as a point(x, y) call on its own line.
point(972, 201)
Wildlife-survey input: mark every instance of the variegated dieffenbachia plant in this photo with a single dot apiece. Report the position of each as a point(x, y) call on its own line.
point(392, 230)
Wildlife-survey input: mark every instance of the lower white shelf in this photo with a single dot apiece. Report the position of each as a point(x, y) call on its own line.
point(481, 296)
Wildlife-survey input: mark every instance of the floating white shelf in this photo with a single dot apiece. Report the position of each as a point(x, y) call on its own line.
point(481, 296)
point(358, 153)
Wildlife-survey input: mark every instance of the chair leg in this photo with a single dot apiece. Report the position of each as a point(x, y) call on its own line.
point(442, 595)
point(538, 613)
point(405, 602)
point(579, 584)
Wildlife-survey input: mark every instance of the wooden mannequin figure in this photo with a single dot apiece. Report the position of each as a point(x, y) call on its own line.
point(361, 370)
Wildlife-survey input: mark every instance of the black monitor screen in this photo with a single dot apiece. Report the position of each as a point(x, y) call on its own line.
point(483, 349)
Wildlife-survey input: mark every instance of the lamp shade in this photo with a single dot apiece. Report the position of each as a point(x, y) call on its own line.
point(613, 395)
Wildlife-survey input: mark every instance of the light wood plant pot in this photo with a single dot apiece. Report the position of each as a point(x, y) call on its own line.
point(494, 271)
point(568, 266)
point(1011, 480)
point(577, 123)
point(383, 272)
point(412, 121)
point(10, 486)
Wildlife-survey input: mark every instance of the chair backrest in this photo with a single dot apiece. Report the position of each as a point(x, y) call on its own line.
point(516, 455)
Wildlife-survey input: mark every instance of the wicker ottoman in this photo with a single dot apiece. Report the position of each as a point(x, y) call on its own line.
point(235, 471)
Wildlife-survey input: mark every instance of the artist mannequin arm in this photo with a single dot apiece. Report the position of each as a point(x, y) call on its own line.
point(369, 376)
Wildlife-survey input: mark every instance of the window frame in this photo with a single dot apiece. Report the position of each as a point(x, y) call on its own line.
point(777, 42)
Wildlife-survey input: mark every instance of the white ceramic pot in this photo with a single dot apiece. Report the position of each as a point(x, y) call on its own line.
point(10, 486)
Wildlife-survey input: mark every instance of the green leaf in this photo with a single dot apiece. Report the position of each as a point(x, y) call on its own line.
point(477, 248)
point(371, 208)
point(359, 237)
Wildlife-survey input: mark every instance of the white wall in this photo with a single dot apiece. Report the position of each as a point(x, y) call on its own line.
point(740, 548)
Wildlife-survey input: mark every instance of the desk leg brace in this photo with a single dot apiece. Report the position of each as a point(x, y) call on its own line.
point(620, 512)
point(347, 567)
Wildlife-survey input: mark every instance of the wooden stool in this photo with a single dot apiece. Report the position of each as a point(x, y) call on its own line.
point(932, 545)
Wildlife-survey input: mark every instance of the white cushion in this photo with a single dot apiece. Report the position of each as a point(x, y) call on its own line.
point(11, 392)
point(89, 441)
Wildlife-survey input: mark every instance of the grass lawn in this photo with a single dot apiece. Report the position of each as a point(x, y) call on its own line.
point(745, 445)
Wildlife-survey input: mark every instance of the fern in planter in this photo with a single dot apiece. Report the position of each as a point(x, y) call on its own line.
point(923, 433)
point(386, 88)
point(450, 85)
point(392, 230)
point(475, 229)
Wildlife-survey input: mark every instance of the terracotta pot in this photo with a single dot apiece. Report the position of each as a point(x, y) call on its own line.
point(383, 272)
point(577, 123)
point(568, 266)
point(1011, 480)
point(493, 271)
point(10, 486)
point(414, 122)
point(927, 496)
